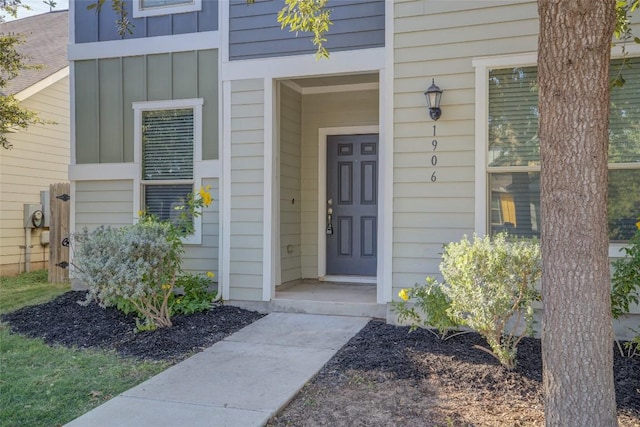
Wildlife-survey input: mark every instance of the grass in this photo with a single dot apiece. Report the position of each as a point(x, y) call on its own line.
point(28, 289)
point(48, 386)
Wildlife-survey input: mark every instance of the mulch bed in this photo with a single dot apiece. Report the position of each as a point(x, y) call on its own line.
point(384, 376)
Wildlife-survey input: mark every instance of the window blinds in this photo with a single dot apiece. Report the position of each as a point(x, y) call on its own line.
point(167, 141)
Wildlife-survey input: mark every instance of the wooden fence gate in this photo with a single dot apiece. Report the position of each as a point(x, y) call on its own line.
point(59, 237)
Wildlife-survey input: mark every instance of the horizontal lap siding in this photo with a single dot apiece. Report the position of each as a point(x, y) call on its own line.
point(108, 203)
point(247, 190)
point(358, 108)
point(203, 258)
point(93, 27)
point(108, 88)
point(439, 40)
point(40, 157)
point(290, 203)
point(255, 33)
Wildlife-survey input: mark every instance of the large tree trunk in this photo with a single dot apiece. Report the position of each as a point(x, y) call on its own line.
point(577, 337)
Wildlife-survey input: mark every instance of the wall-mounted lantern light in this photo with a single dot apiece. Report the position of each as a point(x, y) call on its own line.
point(433, 95)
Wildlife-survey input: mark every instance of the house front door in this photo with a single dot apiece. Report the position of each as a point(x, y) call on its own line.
point(352, 204)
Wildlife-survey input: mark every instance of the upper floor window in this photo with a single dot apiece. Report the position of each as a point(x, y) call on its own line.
point(164, 7)
point(512, 153)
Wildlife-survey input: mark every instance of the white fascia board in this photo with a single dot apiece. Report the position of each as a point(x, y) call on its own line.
point(145, 46)
point(42, 84)
point(353, 61)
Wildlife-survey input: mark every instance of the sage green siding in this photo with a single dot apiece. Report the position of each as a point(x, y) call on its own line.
point(103, 203)
point(108, 87)
point(439, 40)
point(359, 108)
point(204, 257)
point(290, 177)
point(110, 203)
point(247, 190)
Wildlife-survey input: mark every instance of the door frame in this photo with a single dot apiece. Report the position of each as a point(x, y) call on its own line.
point(323, 133)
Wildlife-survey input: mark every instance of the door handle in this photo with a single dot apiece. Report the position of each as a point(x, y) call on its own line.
point(329, 221)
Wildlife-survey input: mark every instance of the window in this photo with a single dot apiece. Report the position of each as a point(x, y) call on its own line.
point(164, 7)
point(513, 152)
point(168, 142)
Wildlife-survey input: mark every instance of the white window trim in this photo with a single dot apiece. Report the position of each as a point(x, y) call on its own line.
point(483, 66)
point(139, 11)
point(138, 108)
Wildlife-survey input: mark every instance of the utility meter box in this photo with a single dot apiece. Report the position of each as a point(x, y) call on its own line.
point(33, 215)
point(46, 207)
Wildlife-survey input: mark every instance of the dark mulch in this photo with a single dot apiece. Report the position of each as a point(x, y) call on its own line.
point(65, 322)
point(384, 376)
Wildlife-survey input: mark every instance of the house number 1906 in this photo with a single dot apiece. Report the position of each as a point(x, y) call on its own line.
point(434, 157)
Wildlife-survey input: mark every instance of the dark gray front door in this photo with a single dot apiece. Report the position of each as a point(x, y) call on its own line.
point(352, 204)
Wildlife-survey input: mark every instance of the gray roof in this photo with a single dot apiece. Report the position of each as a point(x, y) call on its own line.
point(46, 36)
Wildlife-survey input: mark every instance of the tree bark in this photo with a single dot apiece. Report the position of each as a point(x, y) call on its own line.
point(574, 52)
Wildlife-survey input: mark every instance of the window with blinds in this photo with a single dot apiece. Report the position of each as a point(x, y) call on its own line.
point(167, 160)
point(513, 158)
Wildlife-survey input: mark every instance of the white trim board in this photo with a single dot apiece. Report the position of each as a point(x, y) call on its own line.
point(145, 46)
point(186, 6)
point(323, 133)
point(385, 250)
point(355, 61)
point(42, 84)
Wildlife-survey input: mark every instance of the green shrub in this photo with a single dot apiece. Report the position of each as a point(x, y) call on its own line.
point(430, 309)
point(625, 288)
point(193, 294)
point(137, 267)
point(487, 283)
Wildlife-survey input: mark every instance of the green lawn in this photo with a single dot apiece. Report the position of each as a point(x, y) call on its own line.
point(49, 386)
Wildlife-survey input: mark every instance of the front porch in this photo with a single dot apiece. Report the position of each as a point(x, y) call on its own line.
point(312, 296)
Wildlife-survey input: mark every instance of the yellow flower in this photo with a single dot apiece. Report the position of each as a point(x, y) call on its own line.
point(140, 214)
point(638, 225)
point(210, 274)
point(404, 295)
point(166, 287)
point(205, 196)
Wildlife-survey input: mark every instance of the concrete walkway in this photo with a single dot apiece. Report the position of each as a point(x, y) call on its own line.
point(241, 381)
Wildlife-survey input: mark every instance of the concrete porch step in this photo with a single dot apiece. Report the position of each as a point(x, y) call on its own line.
point(335, 308)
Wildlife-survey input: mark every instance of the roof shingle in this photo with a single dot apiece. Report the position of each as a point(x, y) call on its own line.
point(46, 37)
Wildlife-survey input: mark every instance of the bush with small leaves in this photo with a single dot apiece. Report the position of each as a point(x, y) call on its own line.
point(429, 310)
point(489, 282)
point(137, 267)
point(625, 288)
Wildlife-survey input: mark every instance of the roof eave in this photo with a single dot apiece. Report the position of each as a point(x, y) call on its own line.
point(42, 84)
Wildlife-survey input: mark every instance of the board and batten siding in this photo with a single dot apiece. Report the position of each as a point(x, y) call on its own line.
point(255, 33)
point(290, 183)
point(357, 108)
point(109, 87)
point(96, 27)
point(40, 157)
point(247, 190)
point(439, 40)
